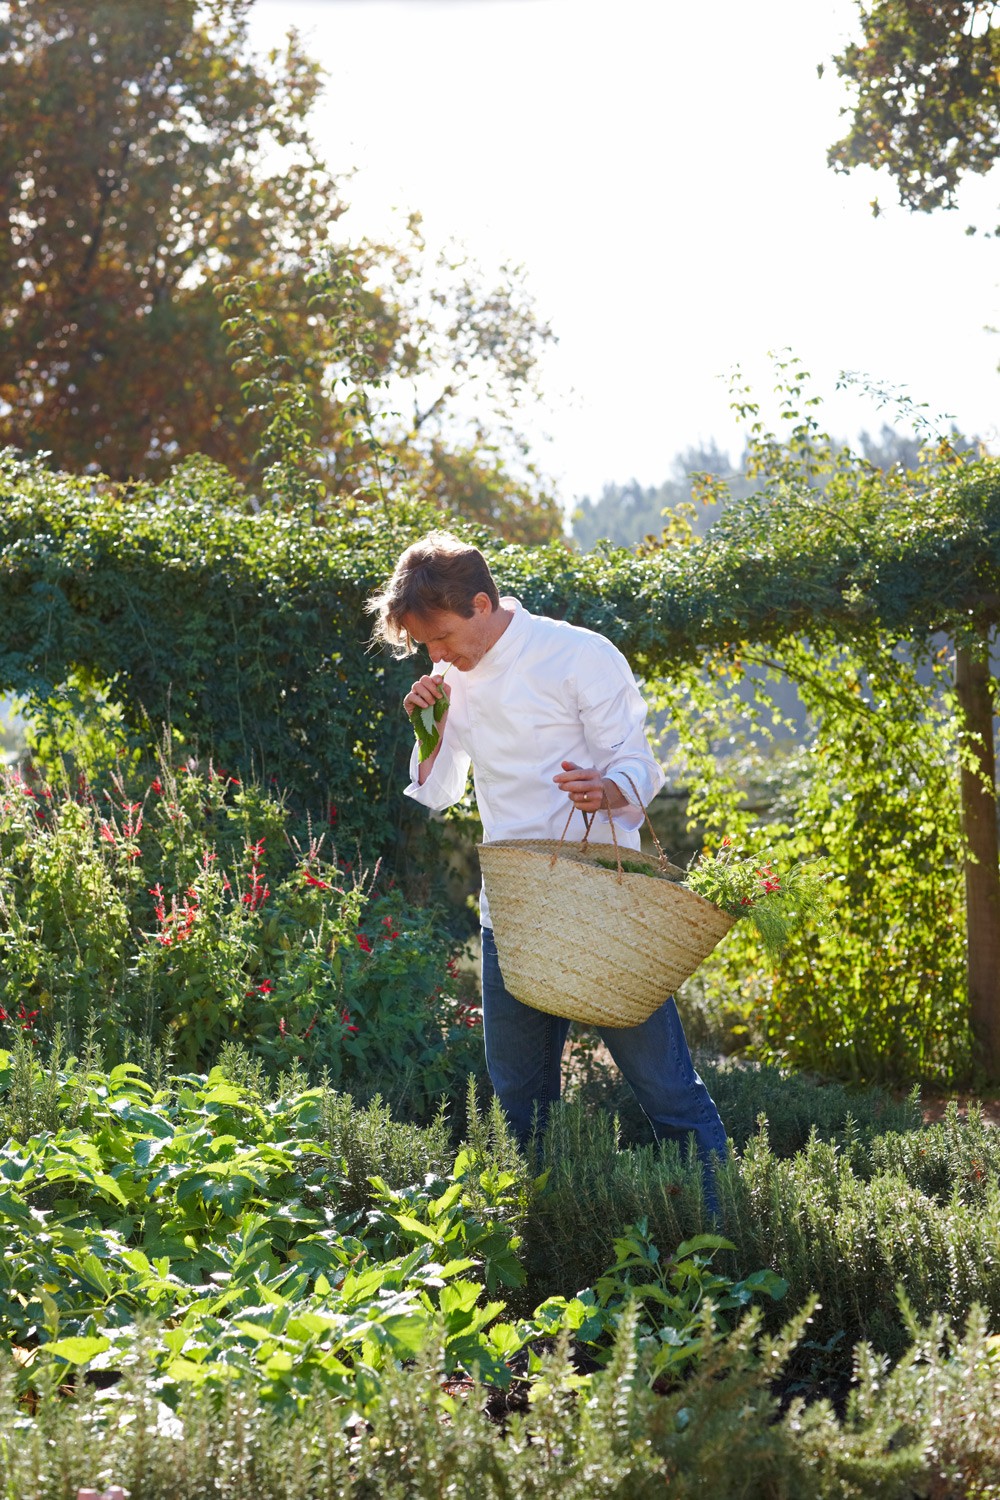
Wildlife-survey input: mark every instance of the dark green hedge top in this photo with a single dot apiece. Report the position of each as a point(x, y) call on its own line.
point(248, 633)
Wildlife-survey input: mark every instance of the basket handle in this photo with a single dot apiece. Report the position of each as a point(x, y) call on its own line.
point(588, 819)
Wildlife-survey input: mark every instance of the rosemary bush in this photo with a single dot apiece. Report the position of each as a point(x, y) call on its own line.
point(926, 1427)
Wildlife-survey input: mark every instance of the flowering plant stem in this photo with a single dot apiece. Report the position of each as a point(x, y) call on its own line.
point(746, 886)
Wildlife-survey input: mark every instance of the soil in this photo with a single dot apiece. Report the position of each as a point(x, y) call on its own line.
point(934, 1107)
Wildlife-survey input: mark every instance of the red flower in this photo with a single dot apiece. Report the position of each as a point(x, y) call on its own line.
point(391, 931)
point(312, 880)
point(156, 785)
point(258, 892)
point(331, 814)
point(346, 1018)
point(363, 943)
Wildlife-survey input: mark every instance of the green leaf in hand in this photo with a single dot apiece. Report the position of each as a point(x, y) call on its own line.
point(425, 723)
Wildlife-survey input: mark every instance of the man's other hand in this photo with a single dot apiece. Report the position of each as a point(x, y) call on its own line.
point(587, 789)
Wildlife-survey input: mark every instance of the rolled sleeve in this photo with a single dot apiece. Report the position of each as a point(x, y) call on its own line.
point(447, 780)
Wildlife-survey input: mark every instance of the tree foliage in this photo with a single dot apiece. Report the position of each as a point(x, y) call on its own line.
point(131, 179)
point(149, 161)
point(925, 86)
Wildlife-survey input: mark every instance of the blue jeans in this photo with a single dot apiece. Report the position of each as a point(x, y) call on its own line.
point(524, 1050)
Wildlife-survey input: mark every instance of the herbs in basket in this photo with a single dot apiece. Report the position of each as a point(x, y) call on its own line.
point(747, 886)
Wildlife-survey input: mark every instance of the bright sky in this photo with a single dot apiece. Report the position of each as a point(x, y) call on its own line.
point(659, 169)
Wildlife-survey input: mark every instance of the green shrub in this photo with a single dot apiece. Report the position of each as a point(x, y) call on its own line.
point(183, 910)
point(874, 990)
point(853, 1222)
point(593, 1190)
point(225, 1237)
point(794, 1104)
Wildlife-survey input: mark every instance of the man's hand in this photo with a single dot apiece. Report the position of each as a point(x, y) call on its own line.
point(587, 789)
point(425, 692)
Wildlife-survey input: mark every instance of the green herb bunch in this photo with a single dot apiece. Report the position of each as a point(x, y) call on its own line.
point(746, 886)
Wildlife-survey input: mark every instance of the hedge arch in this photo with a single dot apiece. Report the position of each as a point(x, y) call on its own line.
point(246, 631)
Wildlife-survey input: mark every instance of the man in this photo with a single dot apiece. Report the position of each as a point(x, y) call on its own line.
point(550, 718)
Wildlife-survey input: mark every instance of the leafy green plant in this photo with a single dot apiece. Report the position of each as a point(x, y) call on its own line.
point(682, 1304)
point(216, 1212)
point(470, 1215)
point(749, 886)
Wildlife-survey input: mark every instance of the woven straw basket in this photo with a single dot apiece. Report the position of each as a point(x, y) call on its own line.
point(597, 945)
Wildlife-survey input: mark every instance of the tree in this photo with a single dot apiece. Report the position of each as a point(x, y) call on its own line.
point(148, 159)
point(925, 82)
point(130, 180)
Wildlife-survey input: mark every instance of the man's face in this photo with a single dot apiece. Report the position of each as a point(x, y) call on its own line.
point(453, 638)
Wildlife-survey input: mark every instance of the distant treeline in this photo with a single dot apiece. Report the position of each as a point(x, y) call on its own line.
point(626, 513)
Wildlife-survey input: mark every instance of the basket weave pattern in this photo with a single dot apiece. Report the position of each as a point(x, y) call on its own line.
point(588, 943)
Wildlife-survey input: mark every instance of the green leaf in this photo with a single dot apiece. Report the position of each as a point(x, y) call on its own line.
point(425, 723)
point(78, 1350)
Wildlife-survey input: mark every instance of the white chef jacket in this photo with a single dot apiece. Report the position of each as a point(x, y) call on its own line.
point(545, 692)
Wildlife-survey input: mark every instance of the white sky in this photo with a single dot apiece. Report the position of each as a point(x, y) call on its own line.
point(659, 169)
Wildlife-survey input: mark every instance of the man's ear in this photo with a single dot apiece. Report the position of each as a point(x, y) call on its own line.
point(482, 604)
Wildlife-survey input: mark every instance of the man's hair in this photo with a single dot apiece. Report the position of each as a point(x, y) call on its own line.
point(438, 572)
